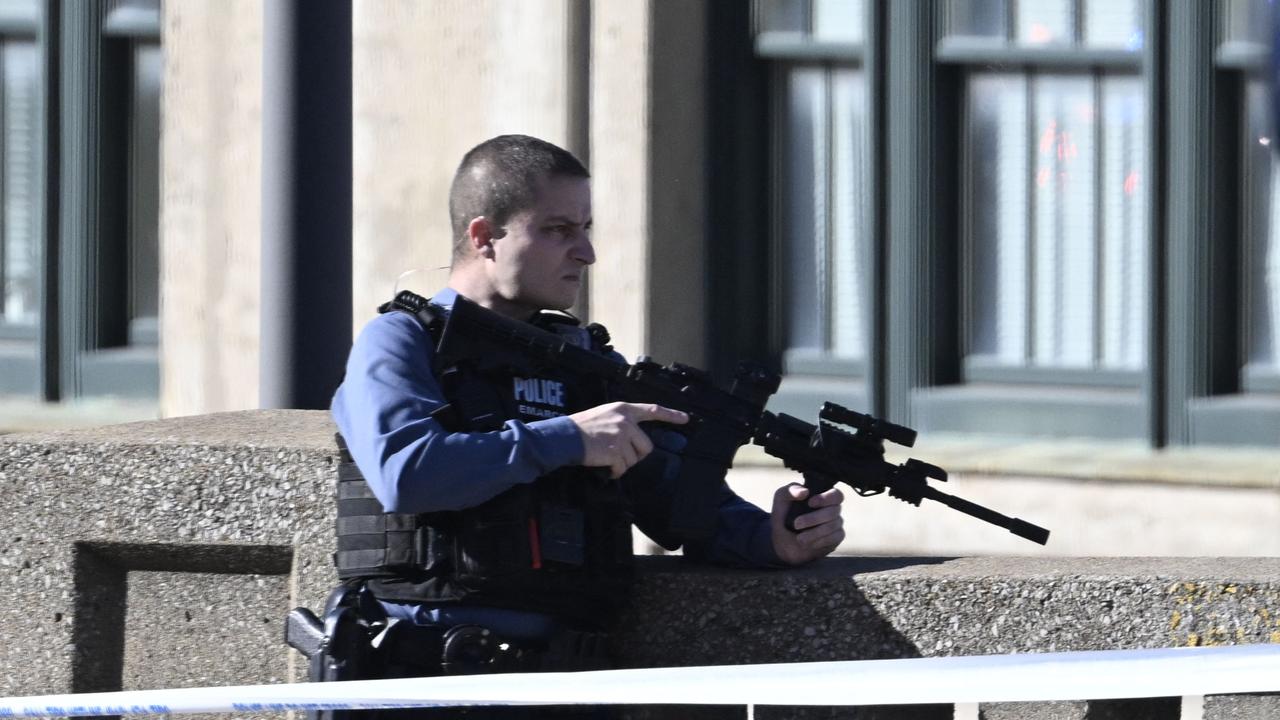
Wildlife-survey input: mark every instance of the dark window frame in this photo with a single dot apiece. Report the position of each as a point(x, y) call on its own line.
point(96, 356)
point(1191, 390)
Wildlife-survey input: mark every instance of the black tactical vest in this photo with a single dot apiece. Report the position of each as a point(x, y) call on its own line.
point(560, 545)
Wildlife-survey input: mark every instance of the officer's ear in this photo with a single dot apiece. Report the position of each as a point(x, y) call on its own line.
point(481, 233)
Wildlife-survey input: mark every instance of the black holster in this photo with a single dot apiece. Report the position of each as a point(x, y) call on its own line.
point(339, 647)
point(356, 641)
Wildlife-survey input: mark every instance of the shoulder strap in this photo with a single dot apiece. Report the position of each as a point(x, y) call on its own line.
point(430, 316)
point(407, 301)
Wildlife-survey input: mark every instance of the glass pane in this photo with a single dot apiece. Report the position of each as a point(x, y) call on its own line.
point(839, 20)
point(1263, 248)
point(21, 254)
point(1124, 224)
point(144, 184)
point(1113, 24)
point(983, 18)
point(804, 198)
point(782, 16)
point(20, 13)
point(998, 181)
point(1043, 22)
point(849, 269)
point(1248, 21)
point(1063, 247)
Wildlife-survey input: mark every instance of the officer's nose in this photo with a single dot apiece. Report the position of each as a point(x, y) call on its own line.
point(583, 251)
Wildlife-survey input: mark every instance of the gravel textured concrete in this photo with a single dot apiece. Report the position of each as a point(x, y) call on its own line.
point(113, 536)
point(165, 553)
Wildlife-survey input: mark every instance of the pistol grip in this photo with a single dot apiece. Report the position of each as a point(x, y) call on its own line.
point(795, 509)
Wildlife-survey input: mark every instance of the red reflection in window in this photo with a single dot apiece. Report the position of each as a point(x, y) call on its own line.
point(1055, 145)
point(1047, 137)
point(1131, 182)
point(1044, 175)
point(1058, 142)
point(1040, 33)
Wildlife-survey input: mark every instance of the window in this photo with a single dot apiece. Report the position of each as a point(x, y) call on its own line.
point(1245, 38)
point(144, 194)
point(820, 250)
point(79, 198)
point(1042, 106)
point(1056, 233)
point(1261, 238)
point(125, 308)
point(821, 193)
point(1243, 405)
point(22, 252)
point(1027, 217)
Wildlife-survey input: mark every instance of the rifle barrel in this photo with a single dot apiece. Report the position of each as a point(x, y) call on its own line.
point(1021, 528)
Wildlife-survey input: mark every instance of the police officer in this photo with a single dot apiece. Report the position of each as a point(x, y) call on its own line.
point(523, 523)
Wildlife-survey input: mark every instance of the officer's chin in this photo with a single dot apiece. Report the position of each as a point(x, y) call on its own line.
point(563, 300)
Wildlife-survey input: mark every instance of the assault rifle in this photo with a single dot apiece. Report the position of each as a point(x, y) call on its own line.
point(720, 421)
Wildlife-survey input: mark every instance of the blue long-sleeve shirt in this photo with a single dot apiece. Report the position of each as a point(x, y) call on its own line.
point(413, 464)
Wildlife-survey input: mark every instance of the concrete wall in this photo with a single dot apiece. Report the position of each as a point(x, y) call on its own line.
point(166, 553)
point(617, 82)
point(647, 136)
point(211, 209)
point(432, 80)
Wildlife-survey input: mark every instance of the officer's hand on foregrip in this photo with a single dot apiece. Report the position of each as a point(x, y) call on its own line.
point(612, 437)
point(806, 528)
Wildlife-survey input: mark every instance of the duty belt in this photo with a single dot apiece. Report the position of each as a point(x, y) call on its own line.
point(408, 650)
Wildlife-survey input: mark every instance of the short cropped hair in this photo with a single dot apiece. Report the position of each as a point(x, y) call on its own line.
point(501, 177)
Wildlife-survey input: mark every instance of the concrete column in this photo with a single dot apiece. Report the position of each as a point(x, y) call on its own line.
point(648, 84)
point(432, 80)
point(210, 218)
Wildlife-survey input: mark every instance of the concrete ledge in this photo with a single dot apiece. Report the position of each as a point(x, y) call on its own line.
point(166, 553)
point(856, 608)
point(161, 553)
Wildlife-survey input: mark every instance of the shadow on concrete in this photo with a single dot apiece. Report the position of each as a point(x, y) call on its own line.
point(866, 635)
point(100, 585)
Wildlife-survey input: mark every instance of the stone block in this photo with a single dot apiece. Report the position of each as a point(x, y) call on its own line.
point(1242, 707)
point(166, 553)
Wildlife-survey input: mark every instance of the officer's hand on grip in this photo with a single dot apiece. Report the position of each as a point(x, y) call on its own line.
point(612, 437)
point(818, 531)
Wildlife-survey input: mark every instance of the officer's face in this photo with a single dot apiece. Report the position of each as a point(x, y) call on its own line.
point(538, 263)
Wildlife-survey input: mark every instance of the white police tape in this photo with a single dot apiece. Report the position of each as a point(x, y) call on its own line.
point(1097, 675)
